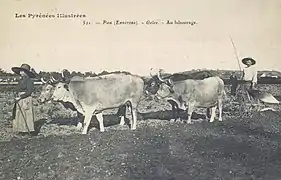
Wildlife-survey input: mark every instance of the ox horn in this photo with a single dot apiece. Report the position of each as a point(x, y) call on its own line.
point(159, 77)
point(53, 79)
point(62, 74)
point(43, 81)
point(170, 81)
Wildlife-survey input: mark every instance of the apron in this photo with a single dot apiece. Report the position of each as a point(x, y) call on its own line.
point(23, 115)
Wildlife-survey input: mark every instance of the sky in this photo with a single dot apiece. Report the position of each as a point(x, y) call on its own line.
point(55, 44)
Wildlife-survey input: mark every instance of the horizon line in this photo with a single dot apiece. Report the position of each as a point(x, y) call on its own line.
point(96, 72)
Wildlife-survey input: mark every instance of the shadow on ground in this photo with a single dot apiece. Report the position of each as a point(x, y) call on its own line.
point(113, 119)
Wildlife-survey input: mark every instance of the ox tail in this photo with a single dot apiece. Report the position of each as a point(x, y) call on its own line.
point(221, 88)
point(224, 93)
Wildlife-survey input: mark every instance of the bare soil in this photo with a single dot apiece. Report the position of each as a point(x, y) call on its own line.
point(246, 145)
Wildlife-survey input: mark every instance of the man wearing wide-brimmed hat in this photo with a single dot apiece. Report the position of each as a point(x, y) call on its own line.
point(23, 113)
point(250, 72)
point(249, 75)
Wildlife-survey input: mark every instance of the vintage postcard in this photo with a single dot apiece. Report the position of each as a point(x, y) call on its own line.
point(131, 89)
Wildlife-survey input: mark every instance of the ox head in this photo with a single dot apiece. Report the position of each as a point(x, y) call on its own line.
point(158, 86)
point(61, 92)
point(47, 89)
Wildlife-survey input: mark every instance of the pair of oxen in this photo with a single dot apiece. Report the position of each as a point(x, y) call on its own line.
point(91, 96)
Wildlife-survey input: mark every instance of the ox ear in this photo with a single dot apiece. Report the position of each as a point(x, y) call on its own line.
point(169, 82)
point(66, 87)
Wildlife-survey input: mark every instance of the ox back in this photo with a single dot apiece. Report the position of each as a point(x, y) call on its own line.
point(108, 91)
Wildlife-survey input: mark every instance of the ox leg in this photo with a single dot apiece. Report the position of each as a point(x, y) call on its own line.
point(259, 105)
point(80, 119)
point(220, 109)
point(100, 120)
point(79, 125)
point(122, 121)
point(213, 109)
point(87, 120)
point(208, 113)
point(130, 108)
point(134, 120)
point(189, 112)
point(174, 111)
point(122, 114)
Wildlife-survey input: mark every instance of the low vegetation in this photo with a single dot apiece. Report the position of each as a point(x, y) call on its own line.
point(246, 145)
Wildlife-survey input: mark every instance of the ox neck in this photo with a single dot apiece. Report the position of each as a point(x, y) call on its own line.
point(68, 97)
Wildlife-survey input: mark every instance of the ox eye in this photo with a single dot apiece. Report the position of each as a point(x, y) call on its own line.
point(152, 84)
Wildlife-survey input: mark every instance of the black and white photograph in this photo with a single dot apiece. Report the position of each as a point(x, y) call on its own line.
point(140, 90)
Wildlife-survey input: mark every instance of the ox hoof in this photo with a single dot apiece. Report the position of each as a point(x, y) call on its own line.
point(84, 132)
point(122, 122)
point(79, 125)
point(101, 130)
point(211, 121)
point(220, 119)
point(133, 128)
point(189, 122)
point(172, 120)
point(179, 121)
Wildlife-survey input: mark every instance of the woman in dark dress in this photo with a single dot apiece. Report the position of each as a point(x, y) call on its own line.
point(23, 121)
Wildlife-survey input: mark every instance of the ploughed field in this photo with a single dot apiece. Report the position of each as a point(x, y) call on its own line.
point(246, 145)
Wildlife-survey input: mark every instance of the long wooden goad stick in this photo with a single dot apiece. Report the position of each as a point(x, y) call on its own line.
point(235, 51)
point(237, 58)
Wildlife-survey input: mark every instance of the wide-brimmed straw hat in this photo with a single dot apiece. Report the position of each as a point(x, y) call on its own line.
point(26, 68)
point(244, 60)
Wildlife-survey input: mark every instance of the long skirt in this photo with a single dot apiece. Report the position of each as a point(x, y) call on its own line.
point(24, 116)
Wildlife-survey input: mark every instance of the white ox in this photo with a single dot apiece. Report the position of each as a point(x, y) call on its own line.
point(94, 95)
point(48, 90)
point(206, 93)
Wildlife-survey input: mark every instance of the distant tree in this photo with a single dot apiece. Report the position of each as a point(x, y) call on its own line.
point(103, 73)
point(73, 73)
point(126, 72)
point(79, 74)
point(88, 74)
point(93, 74)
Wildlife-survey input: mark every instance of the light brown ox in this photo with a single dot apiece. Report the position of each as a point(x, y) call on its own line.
point(94, 95)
